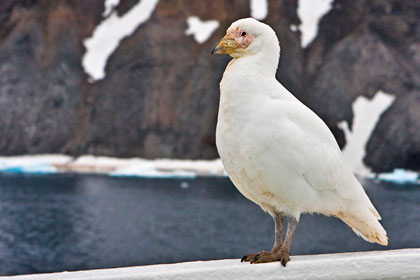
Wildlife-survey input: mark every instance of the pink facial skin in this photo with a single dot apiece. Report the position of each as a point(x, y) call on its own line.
point(241, 37)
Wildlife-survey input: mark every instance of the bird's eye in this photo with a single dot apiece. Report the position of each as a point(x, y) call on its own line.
point(243, 34)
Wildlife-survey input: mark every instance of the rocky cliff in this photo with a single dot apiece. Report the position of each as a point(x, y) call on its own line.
point(159, 97)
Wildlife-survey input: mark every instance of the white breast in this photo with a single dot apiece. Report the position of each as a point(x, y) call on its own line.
point(274, 148)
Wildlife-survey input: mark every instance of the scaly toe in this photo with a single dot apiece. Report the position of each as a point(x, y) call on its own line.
point(265, 257)
point(255, 258)
point(250, 257)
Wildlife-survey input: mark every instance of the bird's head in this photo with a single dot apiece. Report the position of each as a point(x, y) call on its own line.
point(247, 36)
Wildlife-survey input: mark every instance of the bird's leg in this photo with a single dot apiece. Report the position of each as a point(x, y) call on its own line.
point(285, 249)
point(282, 254)
point(278, 237)
point(278, 231)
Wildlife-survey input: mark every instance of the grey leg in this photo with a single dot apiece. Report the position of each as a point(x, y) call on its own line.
point(285, 249)
point(278, 237)
point(281, 254)
point(278, 231)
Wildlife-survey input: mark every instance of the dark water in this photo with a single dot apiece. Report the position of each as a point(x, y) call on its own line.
point(73, 222)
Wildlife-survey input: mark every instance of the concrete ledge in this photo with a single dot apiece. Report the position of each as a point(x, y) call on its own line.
point(393, 264)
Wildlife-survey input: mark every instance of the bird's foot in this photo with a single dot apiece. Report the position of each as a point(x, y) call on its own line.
point(281, 255)
point(250, 257)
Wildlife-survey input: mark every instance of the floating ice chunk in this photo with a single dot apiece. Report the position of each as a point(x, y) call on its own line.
point(366, 115)
point(167, 168)
point(28, 160)
point(400, 176)
point(201, 30)
point(148, 169)
point(32, 164)
point(170, 168)
point(97, 164)
point(42, 168)
point(108, 34)
point(310, 12)
point(259, 9)
point(201, 167)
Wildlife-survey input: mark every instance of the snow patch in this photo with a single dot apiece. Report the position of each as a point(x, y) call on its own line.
point(201, 30)
point(259, 9)
point(109, 7)
point(293, 28)
point(366, 115)
point(310, 12)
point(108, 34)
point(400, 176)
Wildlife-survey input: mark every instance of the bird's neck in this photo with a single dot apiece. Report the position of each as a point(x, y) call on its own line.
point(243, 79)
point(263, 62)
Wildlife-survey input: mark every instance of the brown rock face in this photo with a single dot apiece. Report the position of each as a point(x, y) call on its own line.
point(363, 47)
point(40, 72)
point(396, 139)
point(160, 94)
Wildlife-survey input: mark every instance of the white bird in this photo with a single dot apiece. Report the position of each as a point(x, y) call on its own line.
point(278, 152)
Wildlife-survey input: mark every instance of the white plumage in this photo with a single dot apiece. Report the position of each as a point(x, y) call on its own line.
point(277, 151)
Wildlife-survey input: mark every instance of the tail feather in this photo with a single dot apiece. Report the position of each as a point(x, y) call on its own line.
point(365, 225)
point(375, 213)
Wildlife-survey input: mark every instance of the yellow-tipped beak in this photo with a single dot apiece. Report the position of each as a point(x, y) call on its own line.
point(225, 46)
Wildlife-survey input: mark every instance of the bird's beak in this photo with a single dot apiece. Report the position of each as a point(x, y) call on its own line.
point(225, 46)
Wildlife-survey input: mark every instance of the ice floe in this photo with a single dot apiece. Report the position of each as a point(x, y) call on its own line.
point(400, 176)
point(146, 168)
point(38, 164)
point(137, 167)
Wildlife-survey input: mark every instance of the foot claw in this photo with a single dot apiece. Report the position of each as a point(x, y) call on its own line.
point(250, 257)
point(285, 259)
point(247, 258)
point(255, 258)
point(265, 257)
